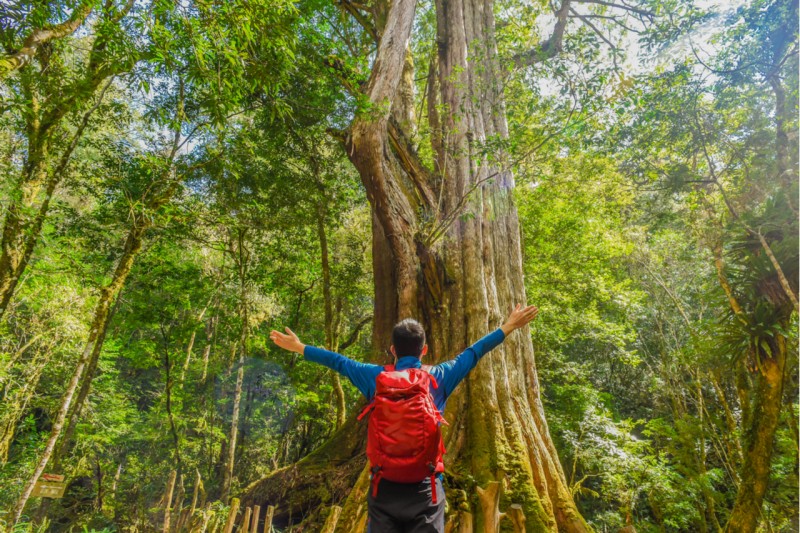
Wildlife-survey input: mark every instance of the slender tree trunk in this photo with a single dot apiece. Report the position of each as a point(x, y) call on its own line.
point(168, 500)
point(759, 438)
point(341, 408)
point(242, 258)
point(230, 454)
point(75, 412)
point(116, 481)
point(211, 326)
point(190, 346)
point(133, 244)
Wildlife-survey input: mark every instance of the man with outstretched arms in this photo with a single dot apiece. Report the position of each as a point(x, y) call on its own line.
point(407, 400)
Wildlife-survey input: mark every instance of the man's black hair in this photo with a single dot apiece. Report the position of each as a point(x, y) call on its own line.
point(408, 338)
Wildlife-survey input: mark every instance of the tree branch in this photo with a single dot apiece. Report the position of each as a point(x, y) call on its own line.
point(643, 12)
point(40, 36)
point(354, 10)
point(594, 29)
point(353, 337)
point(550, 47)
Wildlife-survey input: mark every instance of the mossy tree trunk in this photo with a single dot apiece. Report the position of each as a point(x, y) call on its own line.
point(759, 438)
point(49, 103)
point(446, 250)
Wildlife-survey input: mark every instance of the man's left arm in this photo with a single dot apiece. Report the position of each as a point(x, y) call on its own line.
point(455, 370)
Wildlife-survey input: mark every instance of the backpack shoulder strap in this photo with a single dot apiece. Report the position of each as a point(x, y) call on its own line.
point(427, 369)
point(388, 368)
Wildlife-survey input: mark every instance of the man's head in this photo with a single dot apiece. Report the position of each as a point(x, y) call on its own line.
point(408, 338)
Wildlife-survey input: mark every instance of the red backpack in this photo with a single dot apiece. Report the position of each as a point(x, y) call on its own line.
point(404, 439)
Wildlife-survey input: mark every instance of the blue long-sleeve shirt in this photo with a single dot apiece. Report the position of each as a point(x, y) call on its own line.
point(448, 374)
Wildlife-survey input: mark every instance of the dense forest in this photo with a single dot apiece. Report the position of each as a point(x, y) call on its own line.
point(179, 178)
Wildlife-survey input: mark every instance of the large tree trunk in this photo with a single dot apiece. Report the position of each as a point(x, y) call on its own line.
point(463, 273)
point(459, 275)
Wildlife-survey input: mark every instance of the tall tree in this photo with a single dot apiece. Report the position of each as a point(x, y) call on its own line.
point(48, 95)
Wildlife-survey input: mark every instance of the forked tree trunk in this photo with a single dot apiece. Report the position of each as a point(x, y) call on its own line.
point(461, 274)
point(446, 250)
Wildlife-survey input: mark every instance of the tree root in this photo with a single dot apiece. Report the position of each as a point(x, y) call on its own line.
point(303, 491)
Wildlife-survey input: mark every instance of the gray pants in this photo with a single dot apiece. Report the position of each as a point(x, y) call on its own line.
point(406, 508)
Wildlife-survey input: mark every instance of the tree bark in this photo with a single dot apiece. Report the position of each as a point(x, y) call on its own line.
point(463, 279)
point(758, 441)
point(446, 250)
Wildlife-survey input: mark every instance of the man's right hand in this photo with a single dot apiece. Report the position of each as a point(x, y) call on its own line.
point(288, 341)
point(518, 317)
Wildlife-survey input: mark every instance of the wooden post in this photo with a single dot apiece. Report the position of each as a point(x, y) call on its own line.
point(254, 524)
point(333, 517)
point(268, 518)
point(245, 521)
point(168, 499)
point(490, 503)
point(231, 515)
point(517, 516)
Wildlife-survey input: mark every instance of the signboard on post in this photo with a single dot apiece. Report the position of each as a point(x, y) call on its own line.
point(50, 486)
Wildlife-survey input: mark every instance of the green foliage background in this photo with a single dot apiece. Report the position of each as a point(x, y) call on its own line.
point(629, 177)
